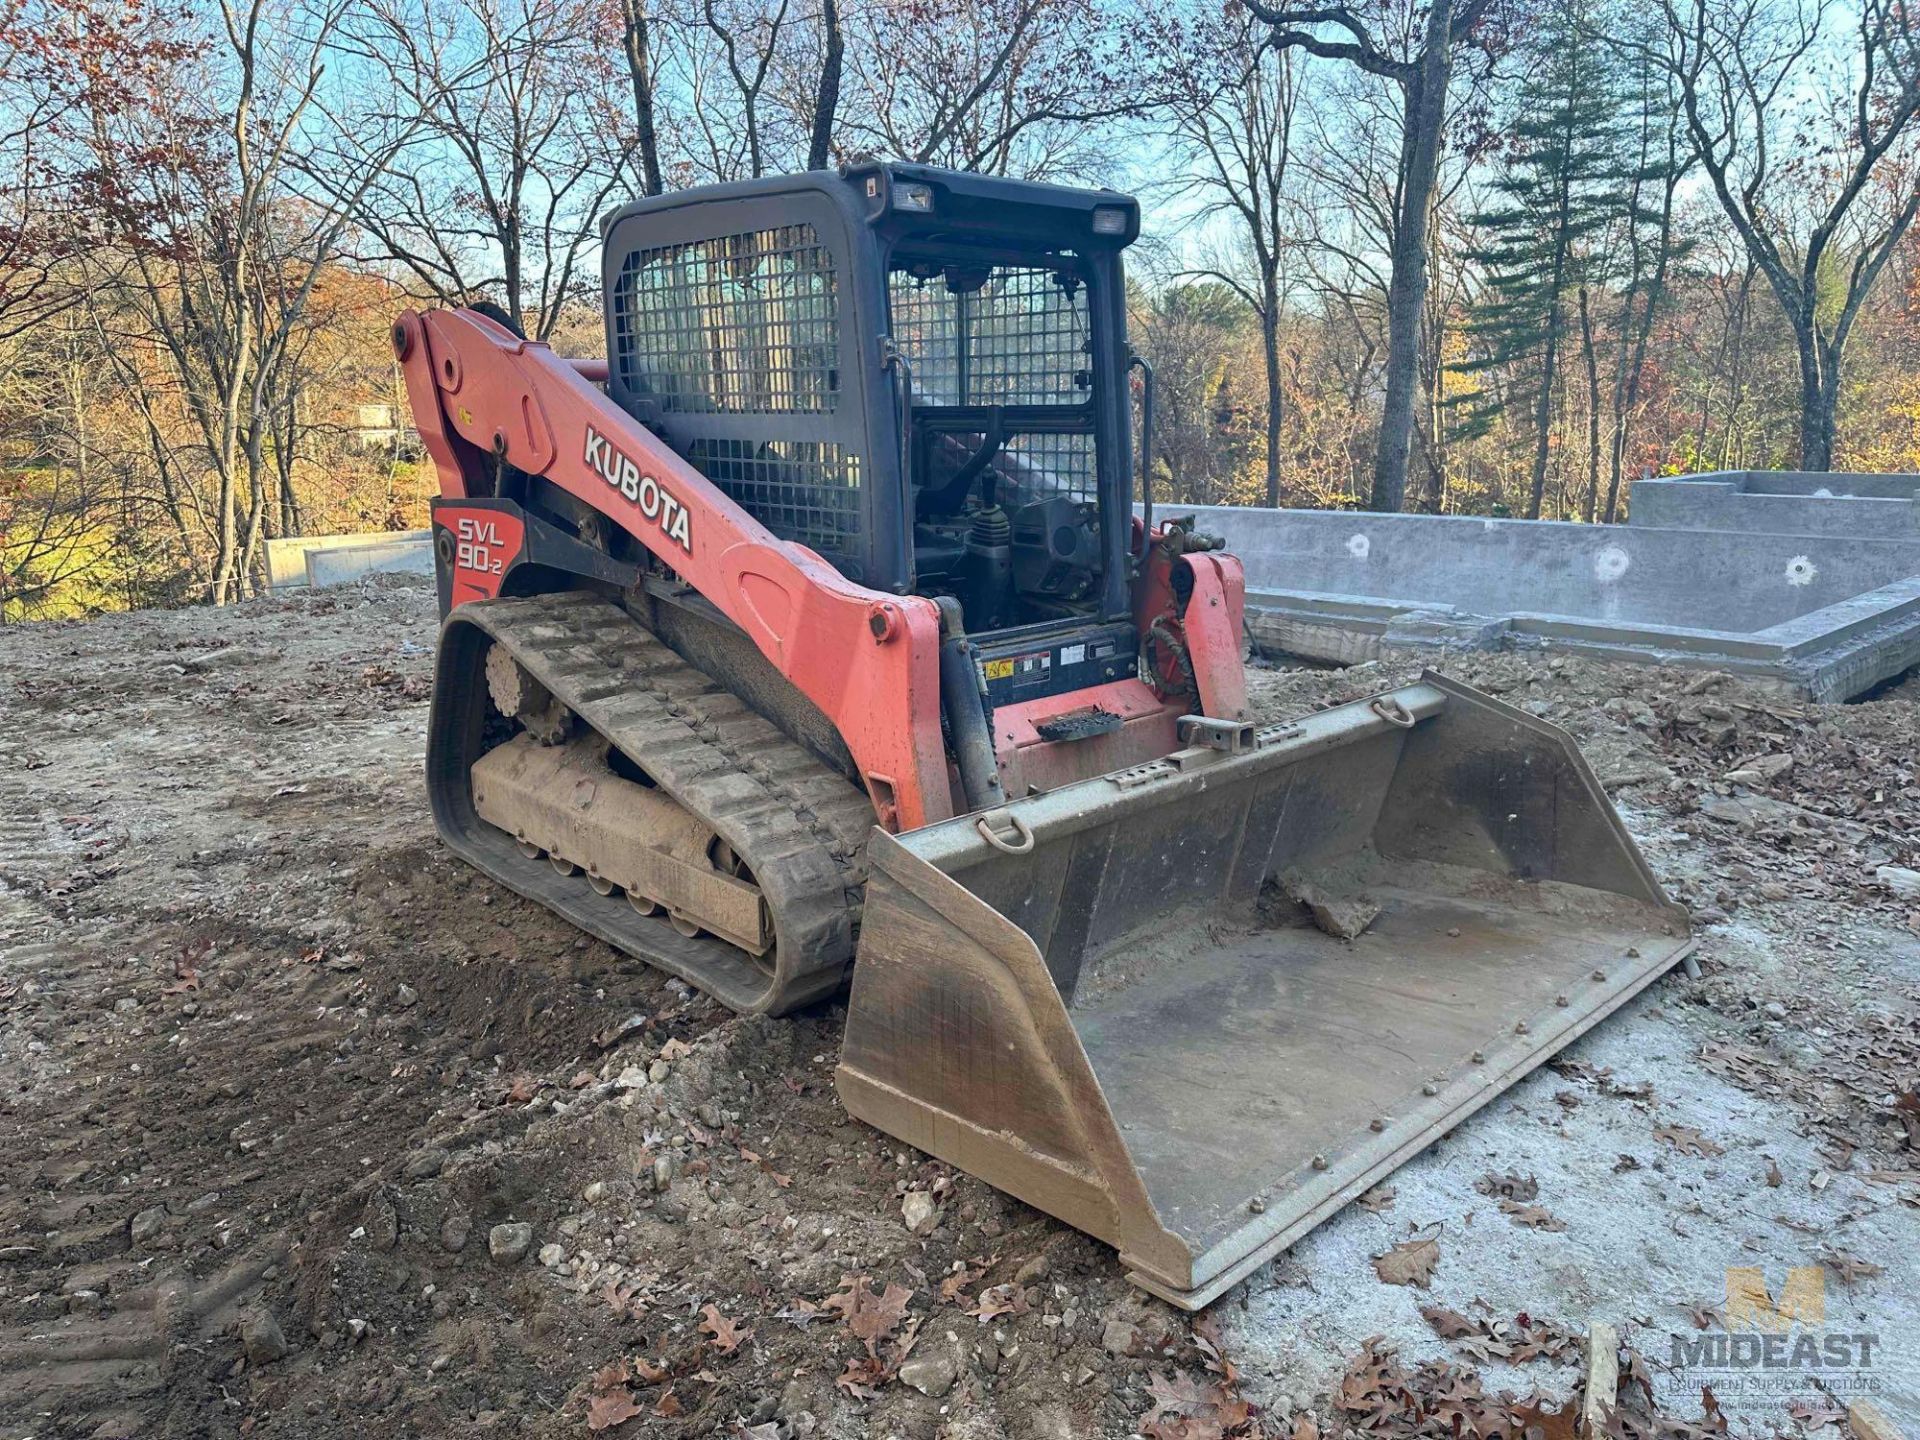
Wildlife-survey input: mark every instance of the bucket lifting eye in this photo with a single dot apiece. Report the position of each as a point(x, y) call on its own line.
point(1022, 840)
point(1393, 712)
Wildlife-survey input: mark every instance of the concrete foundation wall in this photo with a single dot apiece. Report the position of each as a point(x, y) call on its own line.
point(1781, 502)
point(1825, 615)
point(319, 560)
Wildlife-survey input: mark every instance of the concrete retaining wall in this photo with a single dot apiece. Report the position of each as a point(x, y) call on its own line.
point(1782, 502)
point(320, 560)
point(1825, 616)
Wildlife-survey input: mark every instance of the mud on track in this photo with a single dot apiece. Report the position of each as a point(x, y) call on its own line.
point(279, 1068)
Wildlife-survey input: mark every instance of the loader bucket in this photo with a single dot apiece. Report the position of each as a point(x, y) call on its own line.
point(1130, 1001)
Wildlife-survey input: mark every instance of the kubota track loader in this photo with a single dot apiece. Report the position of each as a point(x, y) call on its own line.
point(818, 621)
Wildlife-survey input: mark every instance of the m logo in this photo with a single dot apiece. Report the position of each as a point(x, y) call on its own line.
point(1803, 1299)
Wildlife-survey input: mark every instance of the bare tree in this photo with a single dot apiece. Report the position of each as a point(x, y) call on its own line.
point(1421, 68)
point(33, 242)
point(1643, 253)
point(212, 262)
point(1233, 100)
point(1817, 178)
point(1196, 334)
point(1009, 87)
point(826, 105)
point(1347, 154)
point(51, 499)
point(519, 137)
point(637, 30)
point(60, 62)
point(750, 40)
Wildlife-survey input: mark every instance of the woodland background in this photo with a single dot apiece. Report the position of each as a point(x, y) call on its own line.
point(1467, 256)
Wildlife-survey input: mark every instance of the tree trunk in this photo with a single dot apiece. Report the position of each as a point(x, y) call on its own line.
point(638, 45)
point(827, 100)
point(1592, 501)
point(1433, 438)
point(1818, 396)
point(1426, 109)
point(1624, 408)
point(1543, 411)
point(1270, 349)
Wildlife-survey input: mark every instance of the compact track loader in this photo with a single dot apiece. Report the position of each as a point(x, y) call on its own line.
point(817, 623)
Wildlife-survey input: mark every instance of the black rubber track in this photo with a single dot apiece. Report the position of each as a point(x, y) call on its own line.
point(798, 825)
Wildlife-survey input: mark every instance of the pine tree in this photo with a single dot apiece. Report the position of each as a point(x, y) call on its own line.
point(1560, 187)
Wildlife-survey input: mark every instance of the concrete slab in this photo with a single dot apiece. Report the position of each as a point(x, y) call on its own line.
point(1781, 502)
point(317, 560)
point(412, 555)
point(1822, 616)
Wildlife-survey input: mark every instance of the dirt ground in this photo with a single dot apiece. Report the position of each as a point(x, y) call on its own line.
point(311, 1130)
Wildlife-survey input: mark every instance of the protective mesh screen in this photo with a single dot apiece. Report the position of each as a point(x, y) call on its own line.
point(800, 489)
point(1020, 339)
point(1048, 467)
point(737, 324)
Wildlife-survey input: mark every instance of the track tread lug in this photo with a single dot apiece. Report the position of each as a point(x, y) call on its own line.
point(794, 821)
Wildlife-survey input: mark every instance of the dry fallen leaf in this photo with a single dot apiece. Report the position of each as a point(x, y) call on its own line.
point(1542, 1339)
point(1907, 1108)
point(727, 1335)
point(1486, 1347)
point(1686, 1140)
point(1377, 1200)
point(1814, 1415)
point(1531, 1216)
point(1410, 1262)
point(1539, 1421)
point(1000, 1300)
point(1849, 1267)
point(872, 1318)
point(862, 1378)
point(604, 1412)
point(1176, 1394)
point(1178, 1427)
point(953, 1288)
point(1207, 1340)
point(1448, 1324)
point(1182, 1408)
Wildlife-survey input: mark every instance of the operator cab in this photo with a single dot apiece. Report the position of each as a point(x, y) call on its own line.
point(922, 375)
point(1002, 443)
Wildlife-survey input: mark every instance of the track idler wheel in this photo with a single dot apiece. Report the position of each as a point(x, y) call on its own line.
point(517, 695)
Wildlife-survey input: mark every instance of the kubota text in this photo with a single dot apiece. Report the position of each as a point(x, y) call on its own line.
point(656, 502)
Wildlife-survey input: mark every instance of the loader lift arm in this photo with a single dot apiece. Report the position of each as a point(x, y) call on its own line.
point(483, 397)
